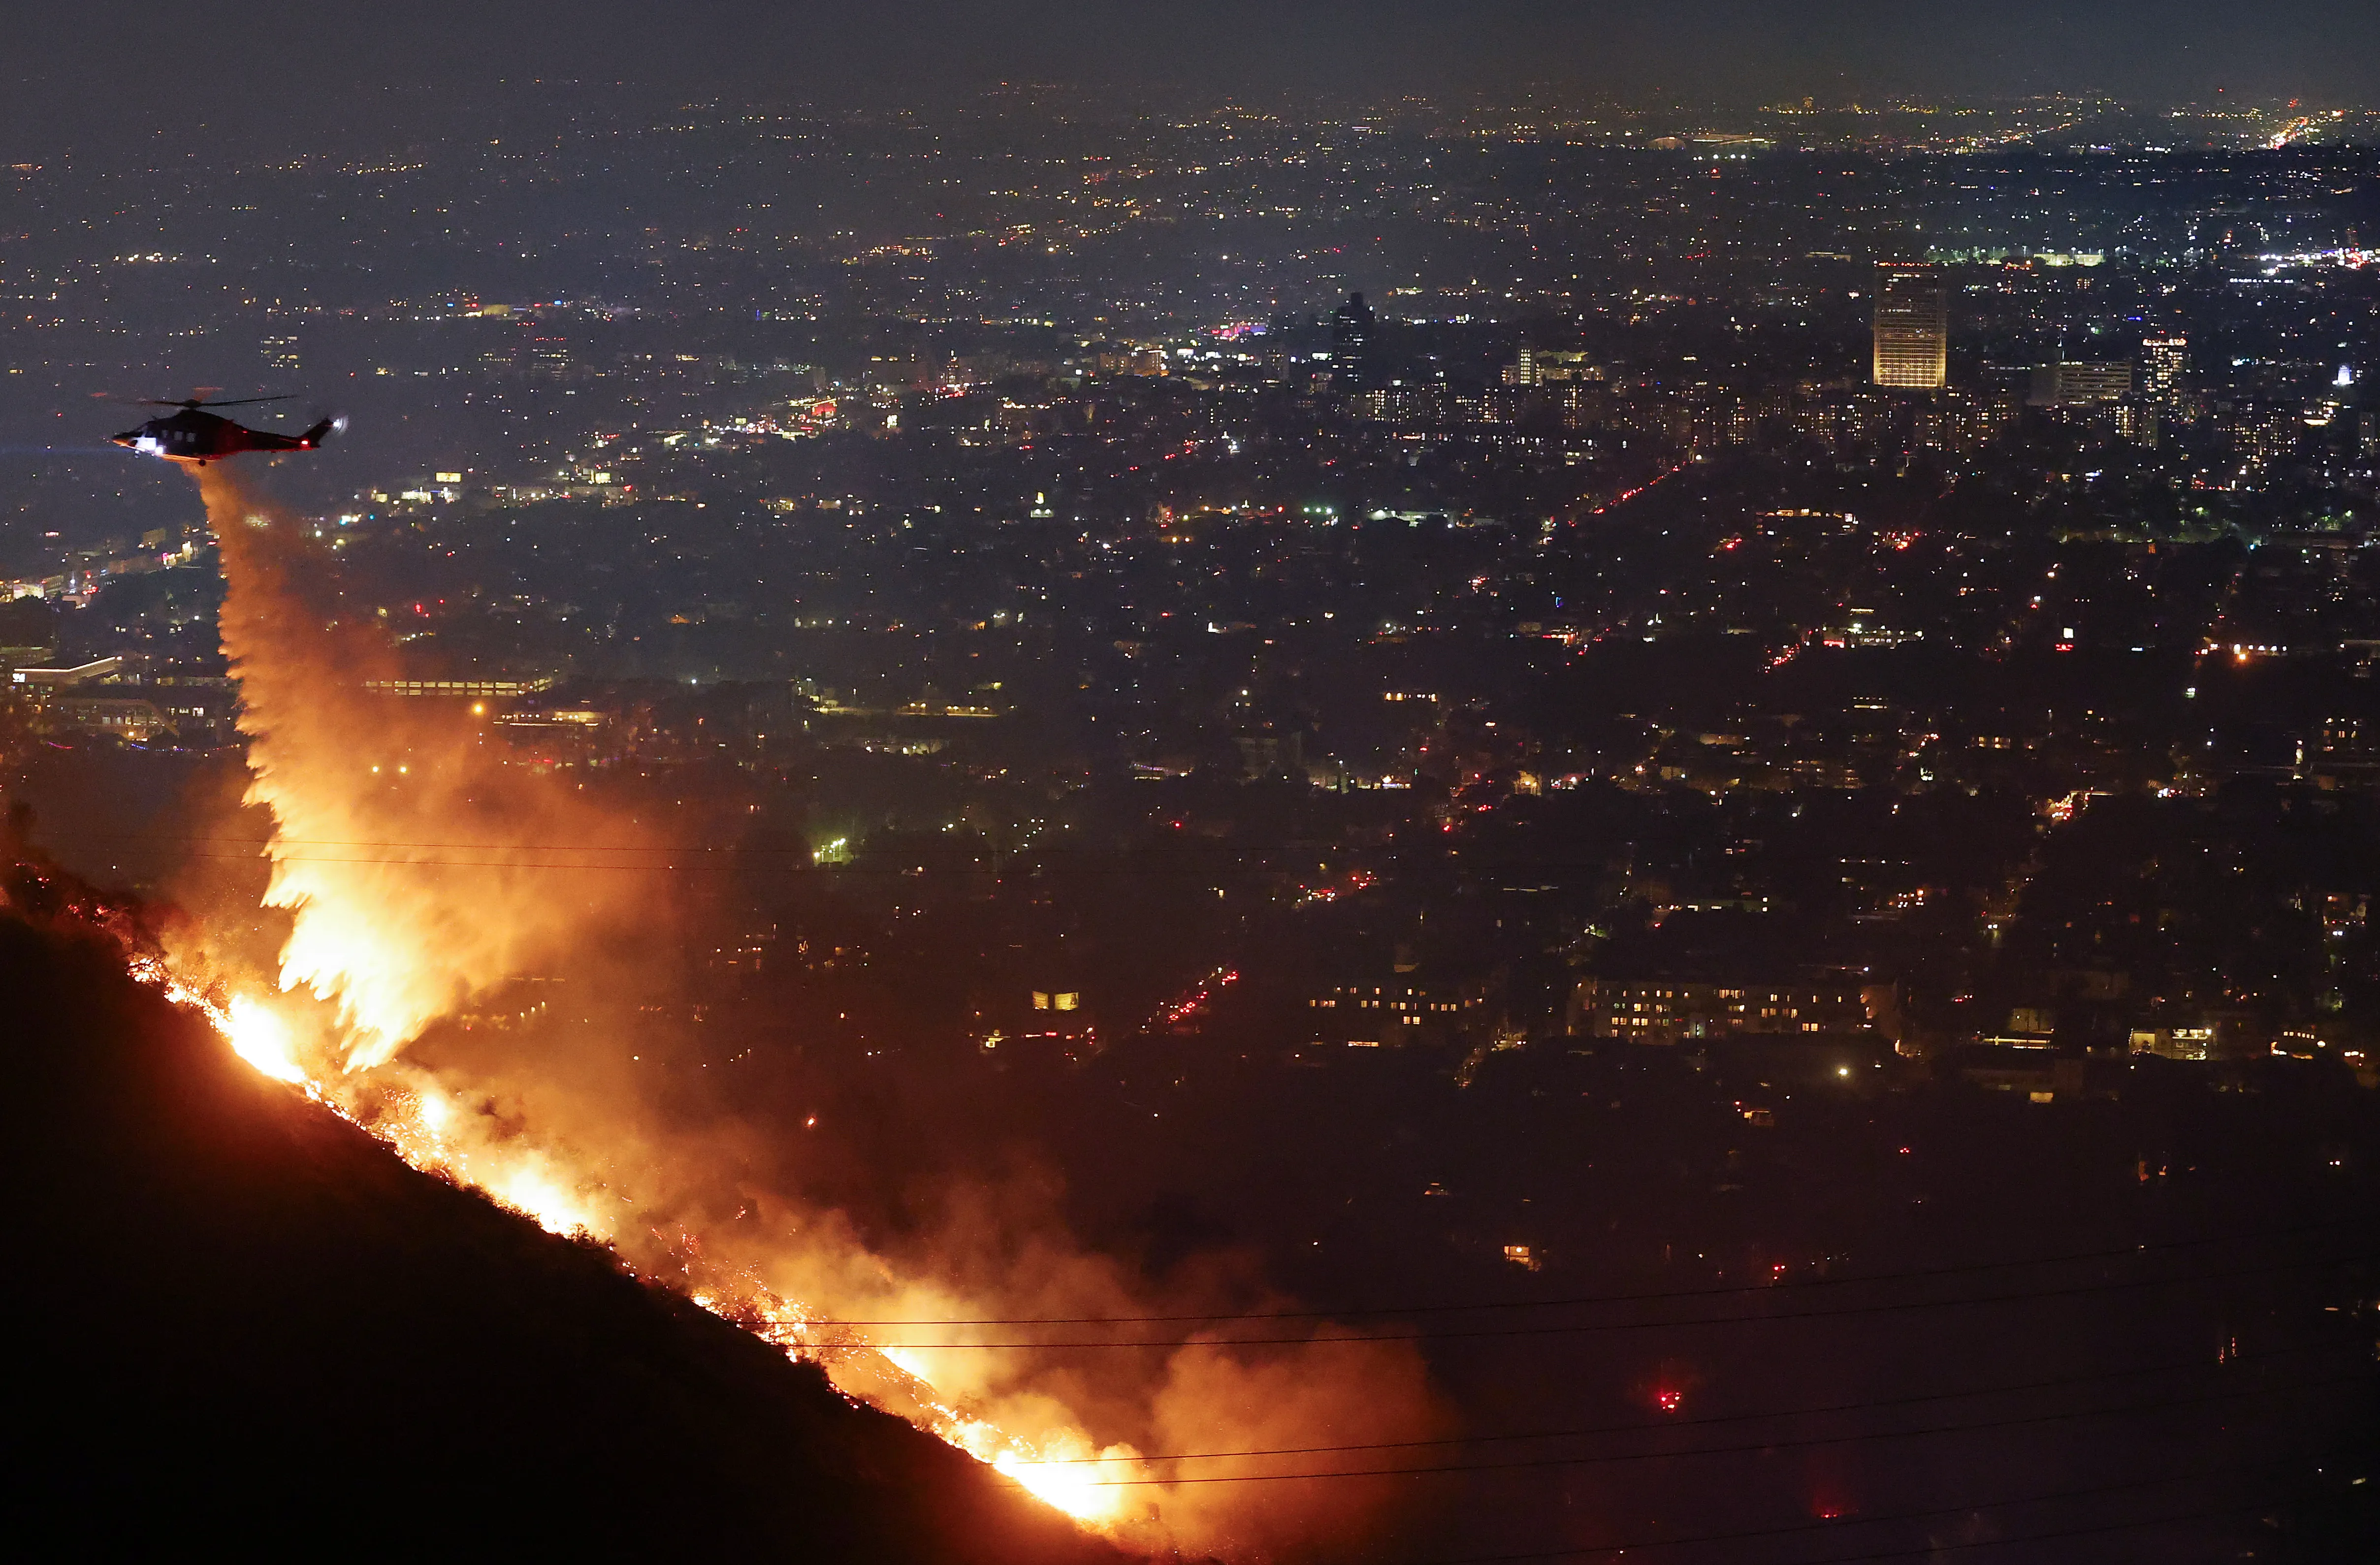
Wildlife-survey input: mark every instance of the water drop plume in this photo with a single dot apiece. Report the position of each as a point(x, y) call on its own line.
point(396, 835)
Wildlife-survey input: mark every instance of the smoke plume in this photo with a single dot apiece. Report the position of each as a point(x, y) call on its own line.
point(420, 873)
point(416, 868)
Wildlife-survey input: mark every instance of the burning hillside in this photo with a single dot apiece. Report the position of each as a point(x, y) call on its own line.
point(252, 1321)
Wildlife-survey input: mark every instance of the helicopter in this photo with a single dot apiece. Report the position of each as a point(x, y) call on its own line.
point(198, 437)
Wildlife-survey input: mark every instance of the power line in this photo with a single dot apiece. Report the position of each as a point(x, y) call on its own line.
point(1587, 1299)
point(1611, 1458)
point(731, 851)
point(468, 863)
point(1929, 1548)
point(1845, 1312)
point(728, 862)
point(728, 851)
point(1839, 1523)
point(1821, 1410)
point(2099, 1529)
point(330, 843)
point(722, 848)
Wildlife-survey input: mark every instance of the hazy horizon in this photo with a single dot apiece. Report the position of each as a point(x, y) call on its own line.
point(80, 78)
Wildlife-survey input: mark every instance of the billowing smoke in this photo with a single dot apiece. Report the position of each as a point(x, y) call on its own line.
point(413, 864)
point(420, 873)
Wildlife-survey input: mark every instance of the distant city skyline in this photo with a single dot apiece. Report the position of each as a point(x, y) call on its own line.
point(86, 73)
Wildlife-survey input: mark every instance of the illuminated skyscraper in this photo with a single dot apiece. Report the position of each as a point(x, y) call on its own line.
point(2072, 384)
point(1912, 326)
point(1351, 343)
point(2164, 362)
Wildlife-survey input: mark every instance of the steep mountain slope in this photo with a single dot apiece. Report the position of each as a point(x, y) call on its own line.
point(243, 1321)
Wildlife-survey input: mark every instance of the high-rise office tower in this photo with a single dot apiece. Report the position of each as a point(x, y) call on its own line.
point(1912, 326)
point(2164, 362)
point(1351, 343)
point(2072, 384)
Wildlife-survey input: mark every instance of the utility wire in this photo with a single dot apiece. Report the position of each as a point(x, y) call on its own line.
point(2100, 1529)
point(473, 847)
point(726, 851)
point(473, 863)
point(409, 853)
point(1842, 1312)
point(1611, 1458)
point(1169, 849)
point(1705, 1421)
point(1928, 1549)
point(1663, 1295)
point(1839, 1523)
point(725, 866)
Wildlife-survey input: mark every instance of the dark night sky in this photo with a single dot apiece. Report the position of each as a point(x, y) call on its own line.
point(76, 69)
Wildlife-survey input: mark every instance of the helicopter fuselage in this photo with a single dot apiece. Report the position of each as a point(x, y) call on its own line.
point(195, 436)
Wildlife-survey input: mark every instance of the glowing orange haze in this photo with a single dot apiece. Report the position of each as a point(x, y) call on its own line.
point(414, 866)
point(363, 795)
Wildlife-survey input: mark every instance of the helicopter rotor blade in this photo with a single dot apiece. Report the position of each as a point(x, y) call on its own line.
point(198, 401)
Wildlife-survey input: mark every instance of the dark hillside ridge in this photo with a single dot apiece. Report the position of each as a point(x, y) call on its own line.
point(245, 1322)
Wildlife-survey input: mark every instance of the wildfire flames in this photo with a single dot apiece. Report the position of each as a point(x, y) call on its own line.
point(408, 860)
point(431, 1133)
